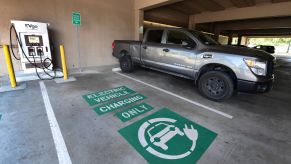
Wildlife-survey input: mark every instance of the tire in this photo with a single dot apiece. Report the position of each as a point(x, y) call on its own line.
point(126, 64)
point(216, 85)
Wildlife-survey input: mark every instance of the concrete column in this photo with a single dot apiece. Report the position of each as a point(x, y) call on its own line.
point(288, 49)
point(244, 40)
point(216, 34)
point(192, 24)
point(138, 24)
point(239, 40)
point(139, 7)
point(230, 36)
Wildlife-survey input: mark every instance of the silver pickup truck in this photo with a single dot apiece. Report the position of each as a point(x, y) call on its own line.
point(218, 71)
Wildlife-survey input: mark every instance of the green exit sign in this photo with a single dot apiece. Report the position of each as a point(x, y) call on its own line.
point(76, 18)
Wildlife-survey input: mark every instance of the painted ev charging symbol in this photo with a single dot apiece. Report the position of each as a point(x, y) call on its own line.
point(166, 133)
point(161, 138)
point(167, 137)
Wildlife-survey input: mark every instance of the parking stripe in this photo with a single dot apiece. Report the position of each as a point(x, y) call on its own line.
point(178, 96)
point(62, 152)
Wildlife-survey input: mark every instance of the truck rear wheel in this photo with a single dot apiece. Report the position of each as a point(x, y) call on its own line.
point(126, 64)
point(216, 85)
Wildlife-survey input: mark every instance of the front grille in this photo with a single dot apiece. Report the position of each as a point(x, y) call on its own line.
point(270, 68)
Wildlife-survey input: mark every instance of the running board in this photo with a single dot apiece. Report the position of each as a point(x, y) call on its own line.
point(167, 72)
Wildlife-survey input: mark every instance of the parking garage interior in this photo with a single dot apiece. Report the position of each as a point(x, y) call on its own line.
point(228, 31)
point(146, 116)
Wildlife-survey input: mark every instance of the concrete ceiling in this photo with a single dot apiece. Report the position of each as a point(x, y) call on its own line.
point(262, 26)
point(178, 13)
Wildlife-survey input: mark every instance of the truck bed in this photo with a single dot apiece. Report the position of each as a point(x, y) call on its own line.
point(128, 46)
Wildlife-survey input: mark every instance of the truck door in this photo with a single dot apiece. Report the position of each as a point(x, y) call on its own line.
point(151, 49)
point(179, 53)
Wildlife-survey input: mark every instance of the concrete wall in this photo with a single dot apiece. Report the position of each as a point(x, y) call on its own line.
point(102, 22)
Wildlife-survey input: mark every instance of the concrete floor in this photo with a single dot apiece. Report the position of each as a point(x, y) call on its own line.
point(260, 131)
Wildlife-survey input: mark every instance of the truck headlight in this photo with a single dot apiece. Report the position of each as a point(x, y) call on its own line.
point(257, 67)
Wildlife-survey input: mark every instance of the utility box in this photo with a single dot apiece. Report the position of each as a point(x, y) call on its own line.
point(33, 44)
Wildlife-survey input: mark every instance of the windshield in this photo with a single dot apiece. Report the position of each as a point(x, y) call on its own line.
point(205, 39)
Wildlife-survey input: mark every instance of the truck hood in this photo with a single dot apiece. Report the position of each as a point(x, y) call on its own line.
point(242, 51)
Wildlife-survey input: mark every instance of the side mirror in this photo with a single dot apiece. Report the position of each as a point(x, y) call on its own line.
point(188, 45)
point(184, 43)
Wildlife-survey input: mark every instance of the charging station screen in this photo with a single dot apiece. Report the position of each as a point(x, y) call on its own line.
point(33, 40)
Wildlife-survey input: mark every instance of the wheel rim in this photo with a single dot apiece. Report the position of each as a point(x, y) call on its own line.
point(215, 87)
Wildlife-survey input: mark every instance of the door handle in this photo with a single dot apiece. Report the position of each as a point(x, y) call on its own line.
point(166, 50)
point(144, 47)
point(207, 56)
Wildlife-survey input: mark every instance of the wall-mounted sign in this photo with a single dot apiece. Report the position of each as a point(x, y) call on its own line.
point(76, 19)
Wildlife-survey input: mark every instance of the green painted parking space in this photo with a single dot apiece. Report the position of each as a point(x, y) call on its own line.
point(109, 107)
point(107, 95)
point(166, 137)
point(130, 113)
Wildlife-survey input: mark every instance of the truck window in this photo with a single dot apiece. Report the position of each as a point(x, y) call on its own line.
point(179, 38)
point(205, 39)
point(155, 36)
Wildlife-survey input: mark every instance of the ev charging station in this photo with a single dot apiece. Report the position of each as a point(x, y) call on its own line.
point(33, 44)
point(34, 55)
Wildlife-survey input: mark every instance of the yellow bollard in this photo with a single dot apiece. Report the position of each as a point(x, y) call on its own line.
point(64, 64)
point(9, 66)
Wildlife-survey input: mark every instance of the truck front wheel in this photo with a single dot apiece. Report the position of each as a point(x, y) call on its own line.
point(216, 85)
point(126, 64)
